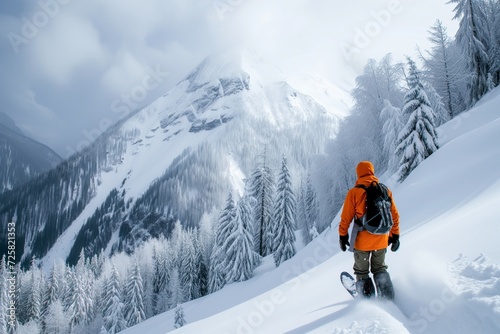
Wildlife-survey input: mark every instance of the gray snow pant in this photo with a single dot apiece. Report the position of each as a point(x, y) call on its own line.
point(364, 261)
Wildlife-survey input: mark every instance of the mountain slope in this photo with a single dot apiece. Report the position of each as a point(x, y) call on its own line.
point(5, 120)
point(22, 158)
point(173, 159)
point(446, 273)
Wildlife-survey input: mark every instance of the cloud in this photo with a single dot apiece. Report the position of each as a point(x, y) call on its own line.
point(123, 74)
point(68, 43)
point(89, 53)
point(35, 117)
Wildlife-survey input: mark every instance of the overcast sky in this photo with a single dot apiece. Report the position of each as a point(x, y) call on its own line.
point(69, 68)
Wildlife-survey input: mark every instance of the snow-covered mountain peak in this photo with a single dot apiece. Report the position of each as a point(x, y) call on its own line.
point(234, 83)
point(174, 159)
point(243, 64)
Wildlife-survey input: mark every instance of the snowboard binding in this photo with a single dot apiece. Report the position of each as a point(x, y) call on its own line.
point(385, 289)
point(365, 288)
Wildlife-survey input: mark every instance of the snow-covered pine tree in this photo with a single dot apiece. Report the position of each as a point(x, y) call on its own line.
point(314, 231)
point(171, 266)
point(3, 307)
point(67, 285)
point(113, 317)
point(418, 139)
point(216, 273)
point(495, 57)
point(30, 327)
point(472, 35)
point(146, 266)
point(179, 320)
point(177, 235)
point(379, 82)
point(392, 126)
point(284, 217)
point(206, 237)
point(17, 290)
point(247, 203)
point(35, 294)
point(443, 69)
point(159, 282)
point(490, 84)
point(22, 300)
point(188, 273)
point(241, 258)
point(175, 287)
point(491, 9)
point(227, 215)
point(134, 297)
point(261, 187)
point(80, 268)
point(52, 290)
point(96, 264)
point(216, 277)
point(200, 264)
point(441, 115)
point(81, 307)
point(311, 203)
point(307, 209)
point(4, 301)
point(301, 213)
point(85, 278)
point(55, 320)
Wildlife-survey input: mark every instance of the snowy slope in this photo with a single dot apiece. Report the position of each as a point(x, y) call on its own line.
point(329, 95)
point(446, 273)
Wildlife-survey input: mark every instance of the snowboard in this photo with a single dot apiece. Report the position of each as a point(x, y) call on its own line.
point(349, 283)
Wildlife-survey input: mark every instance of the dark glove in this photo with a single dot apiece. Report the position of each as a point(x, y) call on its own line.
point(394, 240)
point(344, 242)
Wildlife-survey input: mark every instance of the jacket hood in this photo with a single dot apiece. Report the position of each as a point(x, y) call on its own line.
point(366, 173)
point(365, 168)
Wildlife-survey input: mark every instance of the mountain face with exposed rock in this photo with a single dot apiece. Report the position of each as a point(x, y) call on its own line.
point(174, 160)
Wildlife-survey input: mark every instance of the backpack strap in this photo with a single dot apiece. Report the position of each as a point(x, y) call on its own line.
point(358, 221)
point(385, 192)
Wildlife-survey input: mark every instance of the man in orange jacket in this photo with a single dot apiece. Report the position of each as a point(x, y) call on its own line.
point(369, 249)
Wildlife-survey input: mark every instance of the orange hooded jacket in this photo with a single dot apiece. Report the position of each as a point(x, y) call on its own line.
point(354, 206)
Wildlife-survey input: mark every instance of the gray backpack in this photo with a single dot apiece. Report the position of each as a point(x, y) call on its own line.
point(378, 217)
